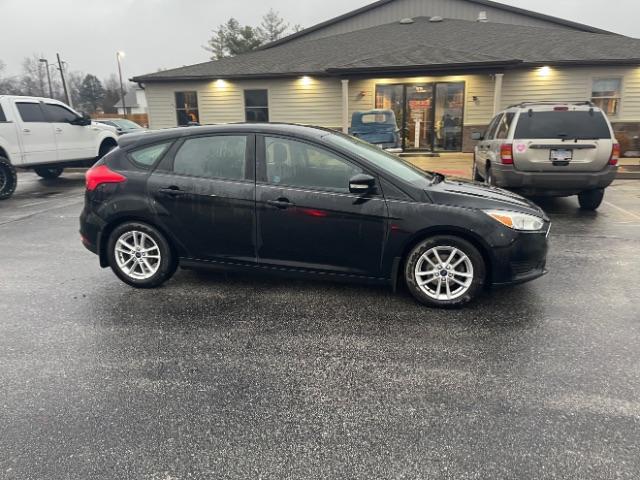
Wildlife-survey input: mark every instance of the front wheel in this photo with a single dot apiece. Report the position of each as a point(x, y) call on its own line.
point(8, 179)
point(591, 200)
point(140, 255)
point(444, 271)
point(48, 173)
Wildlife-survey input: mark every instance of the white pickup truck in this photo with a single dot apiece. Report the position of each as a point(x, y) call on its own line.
point(46, 135)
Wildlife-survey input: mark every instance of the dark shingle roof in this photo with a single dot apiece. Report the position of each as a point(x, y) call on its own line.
point(483, 3)
point(427, 44)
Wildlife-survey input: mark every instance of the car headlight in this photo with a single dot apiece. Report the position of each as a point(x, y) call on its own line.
point(516, 220)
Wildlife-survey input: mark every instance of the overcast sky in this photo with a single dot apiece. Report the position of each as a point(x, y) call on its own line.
point(170, 33)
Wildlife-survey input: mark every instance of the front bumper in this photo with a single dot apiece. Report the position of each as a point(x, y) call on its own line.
point(559, 183)
point(525, 259)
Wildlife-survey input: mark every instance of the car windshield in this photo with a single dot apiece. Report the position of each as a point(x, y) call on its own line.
point(386, 161)
point(558, 124)
point(125, 124)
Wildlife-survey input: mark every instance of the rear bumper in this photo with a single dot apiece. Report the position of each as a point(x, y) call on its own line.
point(559, 183)
point(525, 259)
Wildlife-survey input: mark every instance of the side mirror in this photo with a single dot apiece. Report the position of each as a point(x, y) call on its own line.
point(82, 120)
point(362, 183)
point(477, 136)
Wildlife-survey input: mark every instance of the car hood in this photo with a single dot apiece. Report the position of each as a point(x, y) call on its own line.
point(478, 195)
point(102, 126)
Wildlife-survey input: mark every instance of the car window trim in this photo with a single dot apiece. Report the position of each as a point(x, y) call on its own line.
point(261, 167)
point(165, 166)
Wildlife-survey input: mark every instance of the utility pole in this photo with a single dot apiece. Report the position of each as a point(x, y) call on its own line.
point(119, 55)
point(64, 82)
point(46, 64)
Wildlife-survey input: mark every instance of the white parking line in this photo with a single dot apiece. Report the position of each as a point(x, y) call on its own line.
point(631, 214)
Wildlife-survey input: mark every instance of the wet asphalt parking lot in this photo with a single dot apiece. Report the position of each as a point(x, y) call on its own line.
point(235, 376)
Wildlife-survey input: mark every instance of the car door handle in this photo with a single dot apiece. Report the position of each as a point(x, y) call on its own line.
point(26, 130)
point(58, 130)
point(281, 203)
point(172, 191)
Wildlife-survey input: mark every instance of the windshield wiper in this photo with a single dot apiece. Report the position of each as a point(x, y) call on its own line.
point(437, 178)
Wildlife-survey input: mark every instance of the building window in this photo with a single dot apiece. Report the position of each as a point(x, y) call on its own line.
point(606, 94)
point(187, 108)
point(256, 105)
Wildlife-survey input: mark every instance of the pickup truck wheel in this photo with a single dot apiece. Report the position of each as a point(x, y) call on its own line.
point(591, 199)
point(8, 179)
point(48, 173)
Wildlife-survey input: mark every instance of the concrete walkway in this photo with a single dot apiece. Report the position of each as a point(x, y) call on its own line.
point(461, 164)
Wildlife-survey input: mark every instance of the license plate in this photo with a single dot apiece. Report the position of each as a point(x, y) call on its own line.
point(561, 155)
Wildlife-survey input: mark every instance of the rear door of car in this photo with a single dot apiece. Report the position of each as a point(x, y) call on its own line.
point(306, 216)
point(484, 146)
point(204, 195)
point(562, 139)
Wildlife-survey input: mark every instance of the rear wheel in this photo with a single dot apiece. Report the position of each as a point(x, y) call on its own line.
point(48, 173)
point(140, 255)
point(591, 199)
point(8, 179)
point(488, 177)
point(444, 271)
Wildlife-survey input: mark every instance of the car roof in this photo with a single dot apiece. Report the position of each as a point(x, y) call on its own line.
point(551, 106)
point(154, 136)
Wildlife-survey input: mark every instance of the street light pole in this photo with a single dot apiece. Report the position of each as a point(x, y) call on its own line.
point(46, 63)
point(64, 82)
point(119, 55)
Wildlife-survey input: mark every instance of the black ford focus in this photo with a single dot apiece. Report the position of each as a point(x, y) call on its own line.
point(299, 199)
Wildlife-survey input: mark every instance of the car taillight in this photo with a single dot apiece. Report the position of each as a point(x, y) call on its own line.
point(102, 174)
point(506, 154)
point(615, 154)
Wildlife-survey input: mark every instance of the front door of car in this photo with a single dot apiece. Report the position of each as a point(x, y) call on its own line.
point(74, 142)
point(204, 196)
point(36, 135)
point(307, 218)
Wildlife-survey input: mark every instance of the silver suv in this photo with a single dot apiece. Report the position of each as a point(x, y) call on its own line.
point(556, 149)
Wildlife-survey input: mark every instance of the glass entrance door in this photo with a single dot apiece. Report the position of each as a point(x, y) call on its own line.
point(419, 117)
point(430, 115)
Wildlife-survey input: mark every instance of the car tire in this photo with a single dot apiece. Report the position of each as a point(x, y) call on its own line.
point(591, 199)
point(140, 255)
point(8, 178)
point(476, 173)
point(105, 148)
point(48, 173)
point(464, 266)
point(488, 177)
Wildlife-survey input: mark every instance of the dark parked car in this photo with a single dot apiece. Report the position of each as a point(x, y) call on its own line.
point(378, 127)
point(122, 125)
point(299, 199)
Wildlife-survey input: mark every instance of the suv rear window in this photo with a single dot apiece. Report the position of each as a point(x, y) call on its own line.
point(571, 125)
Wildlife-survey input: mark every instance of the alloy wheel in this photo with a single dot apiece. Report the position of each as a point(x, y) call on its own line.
point(444, 273)
point(137, 255)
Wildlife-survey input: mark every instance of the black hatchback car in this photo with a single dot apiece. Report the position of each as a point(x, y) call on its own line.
point(299, 199)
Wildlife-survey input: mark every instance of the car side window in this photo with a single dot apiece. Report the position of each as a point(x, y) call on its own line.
point(30, 112)
point(58, 114)
point(147, 156)
point(219, 156)
point(504, 125)
point(2, 116)
point(299, 164)
point(491, 131)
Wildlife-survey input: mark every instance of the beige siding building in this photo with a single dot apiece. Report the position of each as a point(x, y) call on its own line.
point(444, 75)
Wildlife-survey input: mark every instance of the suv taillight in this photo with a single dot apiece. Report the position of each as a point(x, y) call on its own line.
point(102, 174)
point(615, 154)
point(506, 154)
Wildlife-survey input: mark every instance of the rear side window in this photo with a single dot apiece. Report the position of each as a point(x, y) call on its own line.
point(220, 156)
point(504, 125)
point(2, 117)
point(557, 124)
point(59, 114)
point(491, 131)
point(147, 156)
point(30, 112)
